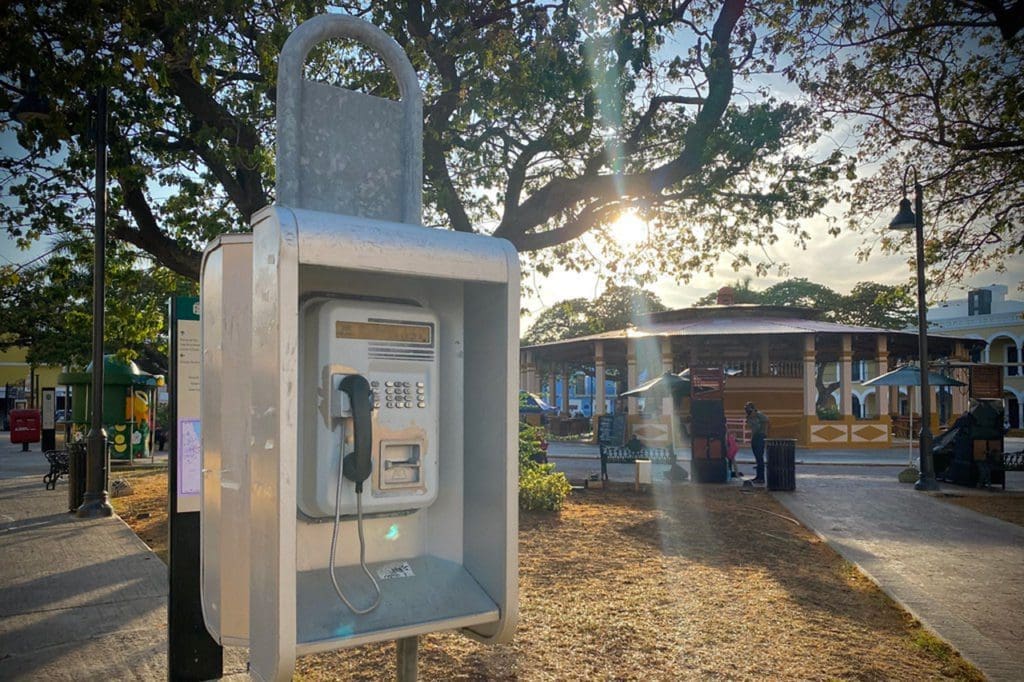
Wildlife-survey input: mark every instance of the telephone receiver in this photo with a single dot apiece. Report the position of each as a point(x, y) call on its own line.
point(356, 465)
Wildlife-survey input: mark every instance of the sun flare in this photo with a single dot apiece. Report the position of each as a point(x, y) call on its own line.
point(629, 229)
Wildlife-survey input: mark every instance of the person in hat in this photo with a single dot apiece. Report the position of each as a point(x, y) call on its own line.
point(757, 423)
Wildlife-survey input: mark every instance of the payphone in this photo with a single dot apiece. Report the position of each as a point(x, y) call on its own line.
point(360, 399)
point(368, 389)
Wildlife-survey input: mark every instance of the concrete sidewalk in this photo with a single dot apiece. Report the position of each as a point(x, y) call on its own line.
point(959, 572)
point(79, 598)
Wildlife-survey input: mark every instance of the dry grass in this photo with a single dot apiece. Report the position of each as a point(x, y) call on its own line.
point(685, 582)
point(146, 509)
point(1001, 505)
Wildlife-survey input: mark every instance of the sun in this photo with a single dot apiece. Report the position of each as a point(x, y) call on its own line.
point(629, 229)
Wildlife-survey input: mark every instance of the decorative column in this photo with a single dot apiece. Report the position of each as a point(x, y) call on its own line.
point(599, 397)
point(565, 389)
point(631, 372)
point(882, 392)
point(665, 345)
point(846, 378)
point(960, 393)
point(810, 416)
point(764, 365)
point(552, 398)
point(531, 373)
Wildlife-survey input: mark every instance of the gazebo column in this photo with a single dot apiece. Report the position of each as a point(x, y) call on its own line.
point(665, 345)
point(552, 399)
point(565, 389)
point(810, 415)
point(882, 392)
point(764, 365)
point(531, 383)
point(846, 378)
point(960, 397)
point(631, 372)
point(599, 397)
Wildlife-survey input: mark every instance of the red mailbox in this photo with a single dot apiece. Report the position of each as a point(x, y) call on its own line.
point(26, 426)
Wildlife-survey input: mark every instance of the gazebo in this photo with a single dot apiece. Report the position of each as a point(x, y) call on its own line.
point(782, 353)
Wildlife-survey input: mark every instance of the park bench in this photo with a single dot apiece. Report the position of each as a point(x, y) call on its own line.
point(617, 454)
point(58, 460)
point(1010, 461)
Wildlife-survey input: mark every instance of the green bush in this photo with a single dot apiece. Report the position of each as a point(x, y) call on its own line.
point(541, 488)
point(828, 413)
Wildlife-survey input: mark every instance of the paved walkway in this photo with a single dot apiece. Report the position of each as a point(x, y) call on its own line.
point(79, 598)
point(959, 572)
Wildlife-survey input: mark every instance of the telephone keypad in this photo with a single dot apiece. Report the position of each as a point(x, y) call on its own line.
point(400, 395)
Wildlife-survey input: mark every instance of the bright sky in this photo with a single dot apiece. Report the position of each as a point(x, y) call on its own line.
point(828, 260)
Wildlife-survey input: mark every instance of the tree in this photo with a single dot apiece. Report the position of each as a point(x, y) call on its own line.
point(937, 85)
point(616, 308)
point(543, 122)
point(868, 304)
point(47, 308)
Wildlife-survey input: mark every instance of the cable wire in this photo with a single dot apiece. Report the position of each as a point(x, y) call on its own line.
point(362, 547)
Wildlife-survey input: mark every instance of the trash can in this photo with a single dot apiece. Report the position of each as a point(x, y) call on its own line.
point(781, 464)
point(76, 475)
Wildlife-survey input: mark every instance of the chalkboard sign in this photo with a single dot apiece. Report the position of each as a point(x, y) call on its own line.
point(611, 429)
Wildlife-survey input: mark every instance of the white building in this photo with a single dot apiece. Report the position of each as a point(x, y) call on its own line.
point(987, 314)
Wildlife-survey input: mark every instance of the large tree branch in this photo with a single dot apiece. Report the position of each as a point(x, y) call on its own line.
point(146, 234)
point(561, 193)
point(244, 183)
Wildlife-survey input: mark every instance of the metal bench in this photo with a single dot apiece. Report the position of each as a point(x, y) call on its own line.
point(58, 460)
point(617, 454)
point(1011, 461)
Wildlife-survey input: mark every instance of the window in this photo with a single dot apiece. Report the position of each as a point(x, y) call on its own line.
point(979, 302)
point(580, 381)
point(856, 407)
point(1012, 356)
point(858, 370)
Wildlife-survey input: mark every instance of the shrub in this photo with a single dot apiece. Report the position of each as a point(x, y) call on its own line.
point(541, 488)
point(828, 413)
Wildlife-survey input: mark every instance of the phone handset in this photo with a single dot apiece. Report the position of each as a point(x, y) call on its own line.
point(356, 466)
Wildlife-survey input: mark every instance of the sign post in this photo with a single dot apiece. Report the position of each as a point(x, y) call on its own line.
point(191, 653)
point(49, 423)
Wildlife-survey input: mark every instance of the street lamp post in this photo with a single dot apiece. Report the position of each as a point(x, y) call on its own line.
point(96, 501)
point(908, 219)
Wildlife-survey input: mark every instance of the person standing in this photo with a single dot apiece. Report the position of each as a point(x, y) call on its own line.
point(757, 423)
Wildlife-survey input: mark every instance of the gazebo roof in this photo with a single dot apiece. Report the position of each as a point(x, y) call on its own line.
point(735, 321)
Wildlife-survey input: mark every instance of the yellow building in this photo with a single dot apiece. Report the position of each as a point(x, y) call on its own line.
point(23, 380)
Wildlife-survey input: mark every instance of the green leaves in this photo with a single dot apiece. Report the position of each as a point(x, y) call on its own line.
point(615, 308)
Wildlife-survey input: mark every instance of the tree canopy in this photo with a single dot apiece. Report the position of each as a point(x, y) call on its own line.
point(543, 122)
point(933, 85)
point(868, 304)
point(616, 308)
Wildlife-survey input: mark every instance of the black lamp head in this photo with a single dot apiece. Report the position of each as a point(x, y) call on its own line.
point(905, 219)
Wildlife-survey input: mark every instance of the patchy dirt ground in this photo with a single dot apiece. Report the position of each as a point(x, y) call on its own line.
point(683, 582)
point(1008, 506)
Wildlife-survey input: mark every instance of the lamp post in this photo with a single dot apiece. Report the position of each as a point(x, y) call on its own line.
point(908, 219)
point(32, 107)
point(96, 501)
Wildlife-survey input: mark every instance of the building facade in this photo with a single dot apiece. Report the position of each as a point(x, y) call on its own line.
point(988, 315)
point(783, 355)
